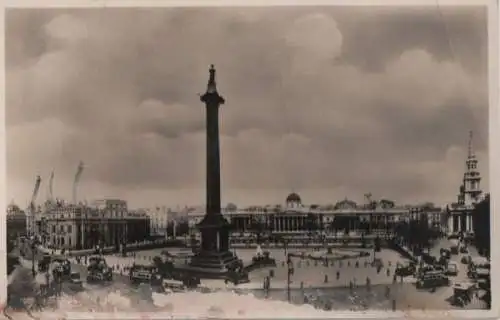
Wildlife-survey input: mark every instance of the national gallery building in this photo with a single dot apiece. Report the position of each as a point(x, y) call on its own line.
point(345, 216)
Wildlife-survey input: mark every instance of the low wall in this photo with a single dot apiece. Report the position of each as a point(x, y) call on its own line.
point(130, 247)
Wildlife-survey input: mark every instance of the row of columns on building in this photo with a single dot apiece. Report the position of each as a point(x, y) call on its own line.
point(456, 223)
point(300, 223)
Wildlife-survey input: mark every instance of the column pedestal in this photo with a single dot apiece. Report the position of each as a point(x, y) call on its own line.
point(214, 260)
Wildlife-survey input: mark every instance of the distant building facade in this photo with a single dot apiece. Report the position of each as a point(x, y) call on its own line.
point(344, 216)
point(159, 218)
point(16, 222)
point(105, 223)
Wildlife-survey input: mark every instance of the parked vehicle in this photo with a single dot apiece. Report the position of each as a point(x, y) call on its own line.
point(405, 270)
point(452, 269)
point(75, 282)
point(478, 273)
point(63, 266)
point(462, 293)
point(432, 279)
point(145, 274)
point(98, 270)
point(446, 253)
point(263, 260)
point(454, 246)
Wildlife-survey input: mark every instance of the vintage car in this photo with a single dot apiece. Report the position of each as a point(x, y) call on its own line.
point(75, 282)
point(145, 274)
point(64, 266)
point(462, 293)
point(452, 269)
point(98, 270)
point(173, 285)
point(405, 270)
point(446, 253)
point(432, 279)
point(263, 260)
point(44, 262)
point(478, 273)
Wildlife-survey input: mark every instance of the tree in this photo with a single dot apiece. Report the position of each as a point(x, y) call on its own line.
point(231, 207)
point(481, 226)
point(257, 226)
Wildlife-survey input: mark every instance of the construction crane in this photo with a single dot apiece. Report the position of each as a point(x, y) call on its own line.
point(32, 208)
point(78, 174)
point(51, 185)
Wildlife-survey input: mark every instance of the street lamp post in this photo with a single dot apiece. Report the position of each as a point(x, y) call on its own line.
point(290, 272)
point(33, 248)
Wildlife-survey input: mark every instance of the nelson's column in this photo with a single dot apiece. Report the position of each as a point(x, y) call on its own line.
point(214, 259)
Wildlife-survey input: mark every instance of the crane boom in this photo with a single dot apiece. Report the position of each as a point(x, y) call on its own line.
point(32, 209)
point(38, 181)
point(51, 183)
point(78, 174)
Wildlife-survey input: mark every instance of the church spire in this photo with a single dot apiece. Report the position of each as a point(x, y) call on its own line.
point(471, 149)
point(470, 190)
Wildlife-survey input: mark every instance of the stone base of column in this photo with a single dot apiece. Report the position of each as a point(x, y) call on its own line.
point(214, 265)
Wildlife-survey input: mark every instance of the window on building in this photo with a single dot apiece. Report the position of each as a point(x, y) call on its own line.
point(70, 228)
point(53, 229)
point(69, 241)
point(62, 241)
point(62, 228)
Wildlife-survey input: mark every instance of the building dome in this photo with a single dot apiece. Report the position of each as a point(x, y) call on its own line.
point(345, 204)
point(293, 197)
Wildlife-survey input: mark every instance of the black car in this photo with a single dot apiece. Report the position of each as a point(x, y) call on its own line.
point(405, 271)
point(98, 270)
point(145, 274)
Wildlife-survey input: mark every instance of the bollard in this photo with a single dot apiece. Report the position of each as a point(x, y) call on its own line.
point(271, 273)
point(326, 278)
point(338, 275)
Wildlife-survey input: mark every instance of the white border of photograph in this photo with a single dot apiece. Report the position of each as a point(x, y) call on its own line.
point(494, 80)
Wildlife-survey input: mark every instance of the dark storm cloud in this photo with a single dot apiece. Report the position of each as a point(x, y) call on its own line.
point(342, 99)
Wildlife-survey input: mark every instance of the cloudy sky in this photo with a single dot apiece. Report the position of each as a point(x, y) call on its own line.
point(328, 102)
